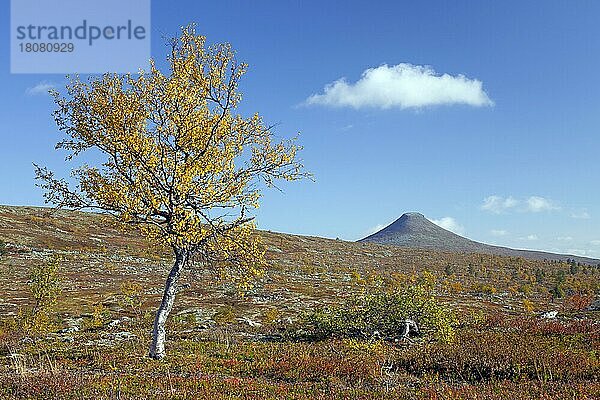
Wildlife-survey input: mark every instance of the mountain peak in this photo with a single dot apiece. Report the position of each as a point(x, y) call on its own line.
point(412, 229)
point(407, 228)
point(412, 214)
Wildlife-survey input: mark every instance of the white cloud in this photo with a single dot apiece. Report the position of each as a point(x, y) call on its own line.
point(595, 242)
point(497, 204)
point(499, 232)
point(532, 237)
point(565, 238)
point(41, 88)
point(402, 86)
point(375, 229)
point(538, 204)
point(449, 224)
point(583, 214)
point(582, 252)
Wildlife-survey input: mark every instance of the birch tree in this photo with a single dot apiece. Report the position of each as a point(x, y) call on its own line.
point(178, 160)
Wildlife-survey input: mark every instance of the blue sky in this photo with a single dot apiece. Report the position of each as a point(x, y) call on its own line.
point(503, 149)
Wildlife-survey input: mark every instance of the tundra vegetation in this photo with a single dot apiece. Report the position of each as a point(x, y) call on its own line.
point(289, 336)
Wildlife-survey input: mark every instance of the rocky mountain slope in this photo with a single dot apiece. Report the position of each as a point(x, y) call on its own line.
point(415, 231)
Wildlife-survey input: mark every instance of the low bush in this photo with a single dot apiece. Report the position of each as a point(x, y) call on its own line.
point(45, 287)
point(381, 313)
point(131, 296)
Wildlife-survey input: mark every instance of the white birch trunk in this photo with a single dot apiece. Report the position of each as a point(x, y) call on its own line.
point(157, 348)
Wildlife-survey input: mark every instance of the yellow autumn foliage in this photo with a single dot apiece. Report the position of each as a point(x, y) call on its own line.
point(178, 160)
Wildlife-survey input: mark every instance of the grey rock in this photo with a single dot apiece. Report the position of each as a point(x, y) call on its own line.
point(595, 306)
point(124, 335)
point(70, 329)
point(248, 321)
point(73, 325)
point(550, 315)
